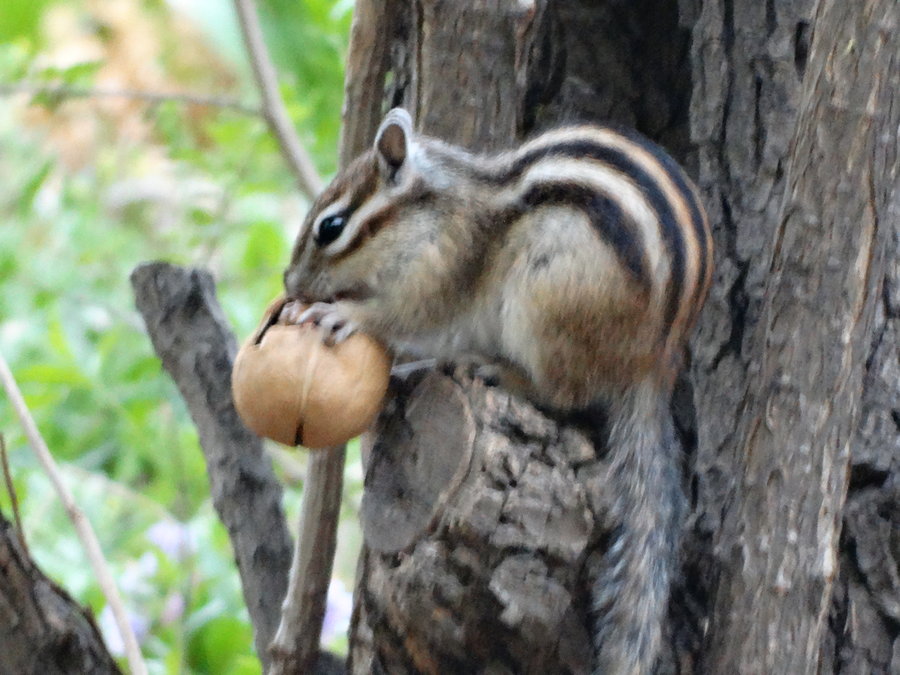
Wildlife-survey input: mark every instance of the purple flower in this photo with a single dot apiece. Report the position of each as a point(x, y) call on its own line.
point(338, 608)
point(173, 609)
point(110, 629)
point(172, 538)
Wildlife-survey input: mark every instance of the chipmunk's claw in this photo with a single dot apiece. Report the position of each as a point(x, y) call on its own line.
point(328, 317)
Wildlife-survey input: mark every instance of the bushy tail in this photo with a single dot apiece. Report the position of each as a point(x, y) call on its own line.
point(632, 592)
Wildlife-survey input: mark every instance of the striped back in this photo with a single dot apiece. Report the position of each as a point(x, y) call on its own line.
point(637, 197)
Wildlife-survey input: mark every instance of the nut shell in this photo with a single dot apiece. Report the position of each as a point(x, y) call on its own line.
point(288, 385)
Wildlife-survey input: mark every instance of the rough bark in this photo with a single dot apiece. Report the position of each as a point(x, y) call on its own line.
point(747, 62)
point(42, 629)
point(471, 58)
point(864, 625)
point(364, 80)
point(192, 337)
point(779, 537)
point(479, 518)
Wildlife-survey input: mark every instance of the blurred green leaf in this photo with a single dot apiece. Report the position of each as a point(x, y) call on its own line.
point(266, 247)
point(217, 646)
point(80, 73)
point(21, 18)
point(48, 374)
point(33, 184)
point(88, 191)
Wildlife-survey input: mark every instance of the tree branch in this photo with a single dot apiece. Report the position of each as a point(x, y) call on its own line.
point(367, 65)
point(273, 107)
point(192, 337)
point(79, 520)
point(66, 92)
point(13, 497)
point(44, 629)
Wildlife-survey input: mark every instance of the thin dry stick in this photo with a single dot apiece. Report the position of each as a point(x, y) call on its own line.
point(295, 646)
point(64, 91)
point(13, 498)
point(79, 520)
point(273, 107)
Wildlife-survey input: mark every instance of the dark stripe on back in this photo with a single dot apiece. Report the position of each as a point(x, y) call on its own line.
point(606, 217)
point(621, 161)
point(696, 210)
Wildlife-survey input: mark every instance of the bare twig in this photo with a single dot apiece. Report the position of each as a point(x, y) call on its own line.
point(66, 92)
point(295, 648)
point(13, 497)
point(273, 107)
point(79, 520)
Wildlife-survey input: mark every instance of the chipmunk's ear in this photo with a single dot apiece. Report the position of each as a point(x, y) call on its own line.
point(392, 142)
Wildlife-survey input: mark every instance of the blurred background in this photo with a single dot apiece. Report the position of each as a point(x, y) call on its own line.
point(129, 132)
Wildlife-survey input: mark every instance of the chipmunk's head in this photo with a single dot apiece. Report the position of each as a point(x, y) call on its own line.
point(370, 222)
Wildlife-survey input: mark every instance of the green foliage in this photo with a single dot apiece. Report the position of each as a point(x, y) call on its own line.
point(292, 28)
point(307, 42)
point(21, 18)
point(91, 187)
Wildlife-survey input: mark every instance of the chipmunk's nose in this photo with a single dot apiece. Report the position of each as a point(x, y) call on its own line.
point(295, 286)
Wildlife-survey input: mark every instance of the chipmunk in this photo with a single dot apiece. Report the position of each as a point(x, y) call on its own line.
point(577, 264)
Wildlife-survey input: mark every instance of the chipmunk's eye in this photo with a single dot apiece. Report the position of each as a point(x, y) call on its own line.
point(330, 229)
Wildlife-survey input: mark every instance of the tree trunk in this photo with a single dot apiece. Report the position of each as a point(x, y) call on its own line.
point(779, 536)
point(483, 519)
point(42, 630)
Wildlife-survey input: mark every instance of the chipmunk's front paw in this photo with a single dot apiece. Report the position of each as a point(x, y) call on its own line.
point(330, 318)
